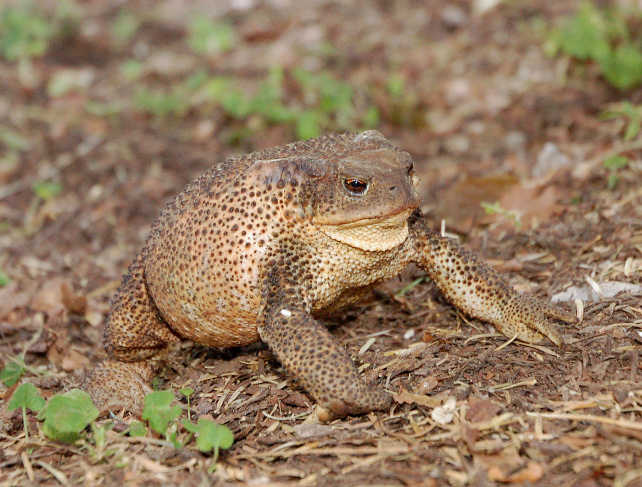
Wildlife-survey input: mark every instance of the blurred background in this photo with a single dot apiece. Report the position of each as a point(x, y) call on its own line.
point(108, 108)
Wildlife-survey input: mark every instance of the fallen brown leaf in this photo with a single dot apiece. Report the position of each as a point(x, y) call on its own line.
point(480, 410)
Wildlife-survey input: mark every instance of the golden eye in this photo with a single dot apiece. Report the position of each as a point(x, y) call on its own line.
point(356, 187)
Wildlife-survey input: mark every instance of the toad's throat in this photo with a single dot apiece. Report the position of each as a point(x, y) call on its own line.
point(371, 234)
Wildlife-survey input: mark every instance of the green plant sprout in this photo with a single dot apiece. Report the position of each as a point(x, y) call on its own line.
point(4, 280)
point(328, 100)
point(187, 392)
point(124, 27)
point(26, 396)
point(410, 286)
point(210, 38)
point(625, 109)
point(497, 209)
point(163, 104)
point(158, 411)
point(13, 140)
point(614, 164)
point(16, 366)
point(210, 436)
point(67, 415)
point(24, 33)
point(46, 190)
point(601, 35)
point(99, 436)
point(137, 429)
point(12, 372)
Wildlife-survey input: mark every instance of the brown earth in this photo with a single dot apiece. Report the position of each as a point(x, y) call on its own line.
point(487, 116)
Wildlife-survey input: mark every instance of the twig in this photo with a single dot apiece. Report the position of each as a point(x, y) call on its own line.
point(622, 423)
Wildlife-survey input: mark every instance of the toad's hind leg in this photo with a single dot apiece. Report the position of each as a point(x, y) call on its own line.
point(136, 340)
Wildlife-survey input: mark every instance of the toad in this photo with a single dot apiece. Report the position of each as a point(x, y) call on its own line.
point(260, 246)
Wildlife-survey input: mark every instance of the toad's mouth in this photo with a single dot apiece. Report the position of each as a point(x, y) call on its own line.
point(371, 234)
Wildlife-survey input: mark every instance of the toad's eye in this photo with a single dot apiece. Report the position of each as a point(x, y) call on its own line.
point(357, 187)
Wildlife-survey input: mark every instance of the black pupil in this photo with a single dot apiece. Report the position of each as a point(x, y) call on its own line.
point(356, 185)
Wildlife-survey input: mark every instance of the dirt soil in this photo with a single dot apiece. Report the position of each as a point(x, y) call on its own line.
point(487, 116)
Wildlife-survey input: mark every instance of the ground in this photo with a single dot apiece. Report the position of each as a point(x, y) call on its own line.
point(90, 157)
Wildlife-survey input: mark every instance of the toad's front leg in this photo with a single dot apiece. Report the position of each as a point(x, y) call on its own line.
point(310, 354)
point(479, 291)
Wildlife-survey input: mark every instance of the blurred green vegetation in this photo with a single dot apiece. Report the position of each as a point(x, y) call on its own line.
point(24, 32)
point(602, 35)
point(309, 102)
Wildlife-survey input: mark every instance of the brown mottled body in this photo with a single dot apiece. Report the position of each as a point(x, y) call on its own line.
point(260, 245)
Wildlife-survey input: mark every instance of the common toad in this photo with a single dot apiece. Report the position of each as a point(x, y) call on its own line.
point(262, 245)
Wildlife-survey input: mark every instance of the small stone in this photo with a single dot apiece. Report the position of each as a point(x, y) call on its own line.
point(550, 158)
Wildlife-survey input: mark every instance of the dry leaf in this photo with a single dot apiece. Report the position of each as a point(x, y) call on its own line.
point(428, 384)
point(49, 298)
point(469, 435)
point(462, 203)
point(75, 303)
point(480, 410)
point(509, 467)
point(73, 360)
point(408, 397)
point(534, 204)
point(531, 473)
point(11, 298)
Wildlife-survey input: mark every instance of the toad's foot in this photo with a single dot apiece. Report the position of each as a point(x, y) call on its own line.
point(116, 386)
point(527, 318)
point(479, 291)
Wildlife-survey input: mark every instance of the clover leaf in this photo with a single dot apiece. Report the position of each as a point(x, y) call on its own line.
point(158, 412)
point(26, 396)
point(210, 436)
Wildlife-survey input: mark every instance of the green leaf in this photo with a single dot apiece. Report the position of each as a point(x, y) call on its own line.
point(210, 435)
point(158, 412)
point(186, 391)
point(307, 125)
point(131, 70)
point(613, 164)
point(136, 428)
point(67, 415)
point(585, 35)
point(396, 85)
point(47, 189)
point(24, 33)
point(11, 373)
point(628, 110)
point(4, 280)
point(26, 396)
point(13, 140)
point(616, 162)
point(100, 434)
point(124, 27)
point(623, 67)
point(371, 117)
point(208, 38)
point(162, 104)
